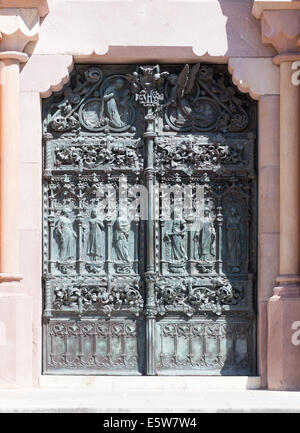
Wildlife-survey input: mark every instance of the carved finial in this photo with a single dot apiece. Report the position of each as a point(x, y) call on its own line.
point(147, 84)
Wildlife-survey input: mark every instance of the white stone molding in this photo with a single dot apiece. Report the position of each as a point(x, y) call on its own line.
point(46, 74)
point(256, 76)
point(259, 6)
point(18, 27)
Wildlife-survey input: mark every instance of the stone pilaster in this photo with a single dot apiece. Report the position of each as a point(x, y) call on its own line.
point(281, 27)
point(17, 27)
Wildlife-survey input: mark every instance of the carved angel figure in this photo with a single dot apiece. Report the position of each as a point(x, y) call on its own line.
point(184, 107)
point(179, 101)
point(182, 85)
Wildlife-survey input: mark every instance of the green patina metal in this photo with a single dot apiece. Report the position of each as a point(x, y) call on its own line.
point(157, 294)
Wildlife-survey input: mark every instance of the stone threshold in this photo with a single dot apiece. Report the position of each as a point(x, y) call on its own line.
point(86, 399)
point(151, 383)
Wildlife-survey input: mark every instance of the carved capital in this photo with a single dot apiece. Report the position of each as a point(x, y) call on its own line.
point(281, 29)
point(40, 5)
point(280, 23)
point(259, 6)
point(18, 27)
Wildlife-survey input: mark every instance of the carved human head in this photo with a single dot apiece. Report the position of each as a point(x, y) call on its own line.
point(119, 83)
point(66, 210)
point(172, 79)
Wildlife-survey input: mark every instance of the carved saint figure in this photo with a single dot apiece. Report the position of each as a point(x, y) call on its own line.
point(176, 238)
point(114, 99)
point(66, 235)
point(94, 240)
point(234, 248)
point(205, 238)
point(121, 237)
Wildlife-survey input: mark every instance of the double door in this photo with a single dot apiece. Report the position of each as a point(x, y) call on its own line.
point(149, 228)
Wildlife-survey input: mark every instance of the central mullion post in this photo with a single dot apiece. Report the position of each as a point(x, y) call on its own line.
point(147, 84)
point(150, 274)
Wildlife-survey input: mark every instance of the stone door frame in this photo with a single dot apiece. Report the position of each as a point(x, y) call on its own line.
point(278, 169)
point(60, 67)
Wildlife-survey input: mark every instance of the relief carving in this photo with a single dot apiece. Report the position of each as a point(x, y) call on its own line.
point(80, 297)
point(121, 238)
point(113, 110)
point(201, 335)
point(199, 100)
point(191, 153)
point(92, 103)
point(88, 355)
point(94, 241)
point(175, 241)
point(234, 246)
point(179, 133)
point(191, 295)
point(101, 152)
point(205, 239)
point(147, 85)
point(66, 235)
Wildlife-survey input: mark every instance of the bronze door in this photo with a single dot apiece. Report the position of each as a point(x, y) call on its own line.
point(149, 207)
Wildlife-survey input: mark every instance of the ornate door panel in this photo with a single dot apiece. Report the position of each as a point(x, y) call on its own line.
point(149, 223)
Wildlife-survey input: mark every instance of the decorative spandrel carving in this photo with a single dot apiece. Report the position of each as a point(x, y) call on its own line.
point(94, 103)
point(200, 99)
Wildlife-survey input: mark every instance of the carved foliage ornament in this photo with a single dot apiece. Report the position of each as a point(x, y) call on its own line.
point(190, 295)
point(121, 294)
point(93, 153)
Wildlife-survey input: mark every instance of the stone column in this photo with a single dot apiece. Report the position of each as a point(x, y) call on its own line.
point(15, 304)
point(9, 142)
point(289, 178)
point(17, 28)
point(268, 228)
point(284, 305)
point(281, 27)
